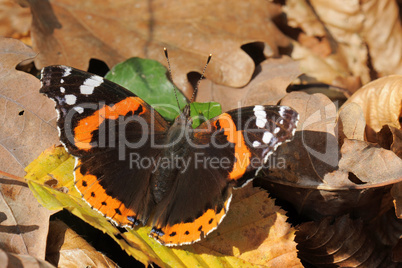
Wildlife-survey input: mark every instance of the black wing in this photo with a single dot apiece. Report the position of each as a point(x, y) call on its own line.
point(107, 128)
point(227, 152)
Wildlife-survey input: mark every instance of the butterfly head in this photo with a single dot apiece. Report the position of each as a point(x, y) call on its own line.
point(184, 118)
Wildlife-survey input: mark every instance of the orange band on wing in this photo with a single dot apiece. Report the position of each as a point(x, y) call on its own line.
point(242, 153)
point(190, 232)
point(96, 196)
point(83, 131)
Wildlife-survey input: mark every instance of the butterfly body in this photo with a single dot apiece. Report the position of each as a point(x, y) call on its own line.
point(133, 166)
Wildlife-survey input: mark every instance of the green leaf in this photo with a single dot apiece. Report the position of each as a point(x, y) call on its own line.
point(147, 79)
point(201, 112)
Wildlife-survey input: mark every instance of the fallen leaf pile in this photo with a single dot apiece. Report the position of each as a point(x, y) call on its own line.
point(332, 197)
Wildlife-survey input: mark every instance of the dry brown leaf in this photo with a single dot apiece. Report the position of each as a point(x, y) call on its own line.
point(351, 123)
point(344, 23)
point(66, 248)
point(382, 31)
point(356, 30)
point(28, 120)
point(71, 33)
point(386, 227)
point(10, 260)
point(341, 243)
point(23, 220)
point(396, 193)
point(314, 67)
point(24, 132)
point(329, 49)
point(267, 87)
point(312, 167)
point(391, 138)
point(14, 20)
point(318, 46)
point(372, 166)
point(301, 15)
point(397, 252)
point(381, 101)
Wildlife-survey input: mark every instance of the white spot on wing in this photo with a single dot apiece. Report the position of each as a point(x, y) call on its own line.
point(266, 138)
point(256, 144)
point(70, 99)
point(261, 115)
point(79, 109)
point(67, 71)
point(277, 129)
point(261, 122)
point(61, 81)
point(282, 111)
point(62, 89)
point(258, 108)
point(90, 83)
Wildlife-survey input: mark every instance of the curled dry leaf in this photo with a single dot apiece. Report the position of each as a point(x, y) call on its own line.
point(21, 261)
point(25, 131)
point(341, 243)
point(327, 180)
point(356, 31)
point(65, 248)
point(191, 30)
point(267, 87)
point(330, 27)
point(315, 67)
point(382, 32)
point(254, 232)
point(301, 15)
point(344, 23)
point(381, 101)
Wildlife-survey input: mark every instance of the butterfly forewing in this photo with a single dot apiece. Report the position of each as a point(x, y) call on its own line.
point(100, 123)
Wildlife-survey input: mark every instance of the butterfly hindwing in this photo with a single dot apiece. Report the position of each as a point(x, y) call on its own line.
point(224, 151)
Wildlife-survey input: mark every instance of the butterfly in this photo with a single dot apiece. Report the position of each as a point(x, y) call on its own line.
point(135, 167)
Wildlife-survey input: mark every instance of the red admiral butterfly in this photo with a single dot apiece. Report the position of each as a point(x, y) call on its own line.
point(133, 166)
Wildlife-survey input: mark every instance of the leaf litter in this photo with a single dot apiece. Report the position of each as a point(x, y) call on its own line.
point(22, 137)
point(343, 167)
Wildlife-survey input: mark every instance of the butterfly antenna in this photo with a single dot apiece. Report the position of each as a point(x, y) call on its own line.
point(171, 78)
point(202, 76)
